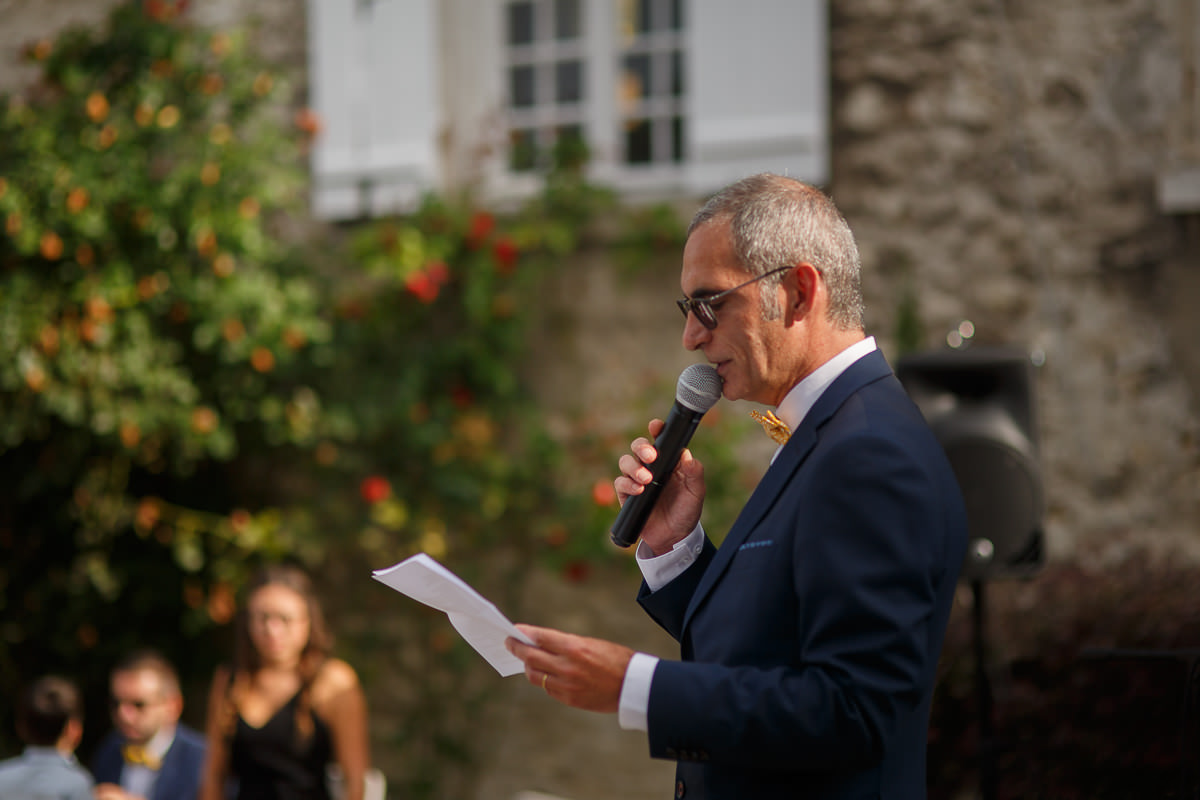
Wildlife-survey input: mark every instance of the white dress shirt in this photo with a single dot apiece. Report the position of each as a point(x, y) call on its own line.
point(138, 779)
point(661, 570)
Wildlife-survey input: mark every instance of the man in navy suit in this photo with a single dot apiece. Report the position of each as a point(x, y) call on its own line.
point(150, 755)
point(810, 637)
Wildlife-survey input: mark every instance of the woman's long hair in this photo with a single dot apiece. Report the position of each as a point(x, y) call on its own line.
point(247, 660)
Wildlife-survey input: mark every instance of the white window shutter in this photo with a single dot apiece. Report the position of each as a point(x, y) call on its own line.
point(757, 92)
point(373, 73)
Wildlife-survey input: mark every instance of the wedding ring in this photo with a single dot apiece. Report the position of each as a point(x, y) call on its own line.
point(545, 677)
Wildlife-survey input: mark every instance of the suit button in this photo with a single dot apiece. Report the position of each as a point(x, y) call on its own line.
point(680, 790)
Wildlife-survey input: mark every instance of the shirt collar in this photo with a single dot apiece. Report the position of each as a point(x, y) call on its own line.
point(160, 742)
point(804, 395)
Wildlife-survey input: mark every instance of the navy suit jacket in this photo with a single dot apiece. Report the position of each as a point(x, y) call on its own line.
point(810, 639)
point(179, 776)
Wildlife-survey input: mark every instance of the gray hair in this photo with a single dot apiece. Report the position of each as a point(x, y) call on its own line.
point(778, 221)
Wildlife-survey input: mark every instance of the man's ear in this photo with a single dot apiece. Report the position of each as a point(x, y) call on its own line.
point(72, 735)
point(802, 284)
point(175, 703)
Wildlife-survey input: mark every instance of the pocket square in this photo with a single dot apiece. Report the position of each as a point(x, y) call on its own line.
point(753, 545)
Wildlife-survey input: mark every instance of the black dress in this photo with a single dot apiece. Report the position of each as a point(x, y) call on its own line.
point(273, 763)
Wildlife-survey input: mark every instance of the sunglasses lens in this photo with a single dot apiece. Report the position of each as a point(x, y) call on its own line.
point(701, 309)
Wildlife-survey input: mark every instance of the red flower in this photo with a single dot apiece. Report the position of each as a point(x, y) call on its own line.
point(374, 489)
point(506, 253)
point(421, 286)
point(577, 571)
point(461, 396)
point(438, 272)
point(481, 226)
point(308, 121)
point(604, 493)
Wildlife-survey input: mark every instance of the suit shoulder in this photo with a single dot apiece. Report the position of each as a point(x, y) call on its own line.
point(190, 736)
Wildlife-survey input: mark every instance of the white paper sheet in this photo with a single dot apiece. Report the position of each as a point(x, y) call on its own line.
point(475, 618)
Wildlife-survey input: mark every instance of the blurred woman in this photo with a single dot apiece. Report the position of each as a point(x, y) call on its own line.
point(285, 709)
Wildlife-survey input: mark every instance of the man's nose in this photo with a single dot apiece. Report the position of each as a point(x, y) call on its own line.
point(694, 333)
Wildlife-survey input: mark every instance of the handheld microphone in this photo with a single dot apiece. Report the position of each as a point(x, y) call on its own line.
point(698, 390)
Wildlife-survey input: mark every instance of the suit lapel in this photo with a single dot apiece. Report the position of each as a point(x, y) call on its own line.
point(867, 369)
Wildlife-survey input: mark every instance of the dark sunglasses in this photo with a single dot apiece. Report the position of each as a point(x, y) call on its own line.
point(137, 705)
point(702, 306)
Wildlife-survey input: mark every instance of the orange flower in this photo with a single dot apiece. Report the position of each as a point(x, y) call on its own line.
point(557, 536)
point(220, 45)
point(147, 514)
point(39, 50)
point(233, 330)
point(130, 434)
point(85, 255)
point(262, 83)
point(98, 309)
point(212, 83)
point(210, 173)
point(204, 420)
point(220, 134)
point(48, 340)
point(168, 116)
point(248, 208)
point(294, 338)
point(77, 199)
point(89, 331)
point(143, 115)
point(221, 605)
point(108, 136)
point(262, 359)
point(206, 242)
point(51, 246)
point(96, 107)
point(35, 379)
point(603, 493)
point(223, 265)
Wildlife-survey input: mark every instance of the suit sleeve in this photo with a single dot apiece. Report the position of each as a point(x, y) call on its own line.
point(668, 605)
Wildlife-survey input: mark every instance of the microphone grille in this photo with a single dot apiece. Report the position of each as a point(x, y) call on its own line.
point(699, 387)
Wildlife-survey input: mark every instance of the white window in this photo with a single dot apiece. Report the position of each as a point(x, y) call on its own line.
point(667, 96)
point(373, 76)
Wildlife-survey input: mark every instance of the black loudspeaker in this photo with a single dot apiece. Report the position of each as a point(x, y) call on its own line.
point(979, 402)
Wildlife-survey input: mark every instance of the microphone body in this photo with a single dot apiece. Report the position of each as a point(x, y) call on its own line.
point(698, 390)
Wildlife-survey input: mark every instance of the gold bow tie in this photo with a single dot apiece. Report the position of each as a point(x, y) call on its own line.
point(137, 754)
point(776, 428)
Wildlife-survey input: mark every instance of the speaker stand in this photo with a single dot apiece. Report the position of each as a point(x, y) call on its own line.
point(986, 745)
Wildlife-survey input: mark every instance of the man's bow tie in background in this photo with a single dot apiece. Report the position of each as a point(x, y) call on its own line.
point(136, 754)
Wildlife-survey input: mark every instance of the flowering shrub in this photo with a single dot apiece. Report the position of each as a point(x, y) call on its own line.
point(148, 326)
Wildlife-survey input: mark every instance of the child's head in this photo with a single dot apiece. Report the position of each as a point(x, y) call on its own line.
point(50, 710)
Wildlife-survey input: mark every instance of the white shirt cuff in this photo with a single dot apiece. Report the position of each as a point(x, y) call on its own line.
point(635, 692)
point(661, 570)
